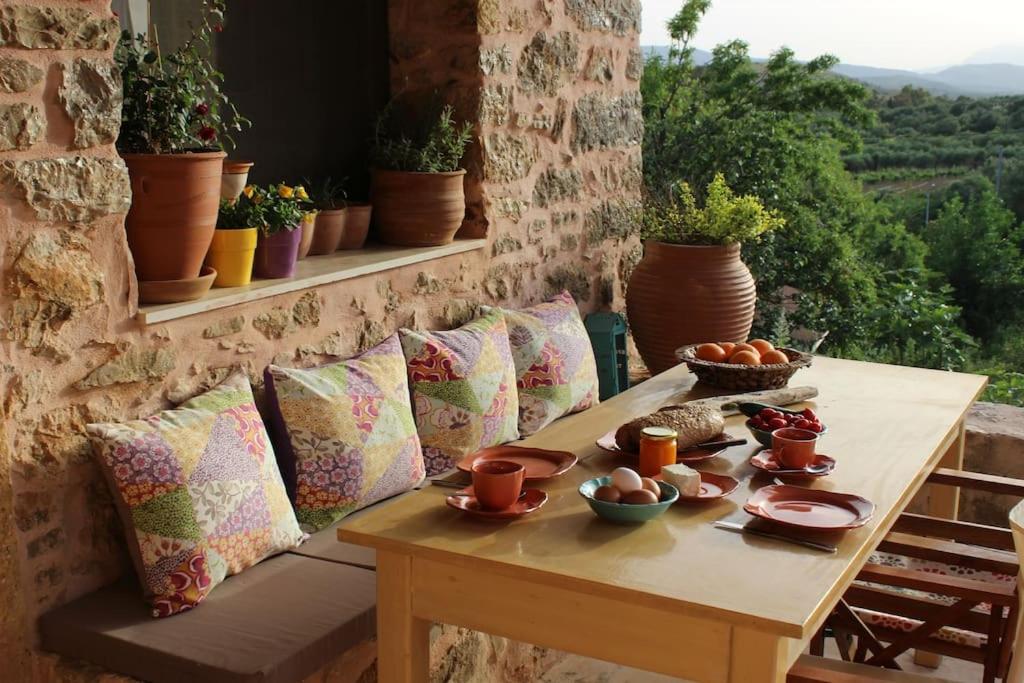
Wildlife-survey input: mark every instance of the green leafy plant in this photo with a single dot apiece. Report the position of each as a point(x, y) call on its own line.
point(242, 213)
point(174, 103)
point(413, 142)
point(271, 209)
point(725, 217)
point(328, 194)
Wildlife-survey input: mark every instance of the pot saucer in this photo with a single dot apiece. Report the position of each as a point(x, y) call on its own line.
point(465, 501)
point(766, 462)
point(176, 291)
point(712, 487)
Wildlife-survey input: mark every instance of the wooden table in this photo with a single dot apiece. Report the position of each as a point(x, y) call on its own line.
point(676, 595)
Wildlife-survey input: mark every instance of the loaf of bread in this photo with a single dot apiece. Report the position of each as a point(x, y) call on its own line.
point(694, 423)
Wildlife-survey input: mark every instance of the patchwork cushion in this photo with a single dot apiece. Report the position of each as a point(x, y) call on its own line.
point(463, 389)
point(199, 493)
point(556, 374)
point(347, 433)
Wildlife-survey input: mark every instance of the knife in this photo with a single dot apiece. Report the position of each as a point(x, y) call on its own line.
point(712, 444)
point(743, 529)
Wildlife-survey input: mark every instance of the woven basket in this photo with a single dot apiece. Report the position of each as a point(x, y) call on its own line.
point(744, 377)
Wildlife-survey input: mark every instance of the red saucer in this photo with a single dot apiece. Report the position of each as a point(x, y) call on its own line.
point(465, 501)
point(540, 464)
point(766, 462)
point(607, 442)
point(712, 487)
point(810, 508)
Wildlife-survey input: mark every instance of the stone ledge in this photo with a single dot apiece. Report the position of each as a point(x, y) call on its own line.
point(310, 272)
point(995, 445)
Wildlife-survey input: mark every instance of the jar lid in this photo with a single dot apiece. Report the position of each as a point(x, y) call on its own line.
point(658, 433)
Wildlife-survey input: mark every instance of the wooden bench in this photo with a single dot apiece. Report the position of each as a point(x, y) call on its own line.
point(818, 670)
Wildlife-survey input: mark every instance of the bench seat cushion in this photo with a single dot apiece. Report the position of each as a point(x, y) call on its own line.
point(277, 622)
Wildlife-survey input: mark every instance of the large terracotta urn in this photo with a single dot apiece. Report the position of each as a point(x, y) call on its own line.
point(685, 294)
point(175, 200)
point(417, 209)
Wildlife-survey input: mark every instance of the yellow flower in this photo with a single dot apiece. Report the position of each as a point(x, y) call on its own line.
point(300, 192)
point(248, 191)
point(285, 192)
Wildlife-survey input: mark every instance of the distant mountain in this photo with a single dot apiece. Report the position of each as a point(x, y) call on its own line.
point(1001, 54)
point(973, 80)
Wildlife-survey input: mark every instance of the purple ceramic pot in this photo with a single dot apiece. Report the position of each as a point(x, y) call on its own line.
point(276, 254)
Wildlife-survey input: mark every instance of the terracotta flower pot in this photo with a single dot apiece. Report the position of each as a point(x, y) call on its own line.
point(231, 254)
point(175, 199)
point(357, 225)
point(276, 254)
point(330, 225)
point(308, 228)
point(682, 294)
point(236, 175)
point(418, 209)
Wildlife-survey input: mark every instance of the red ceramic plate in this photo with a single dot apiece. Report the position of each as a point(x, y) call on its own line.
point(607, 442)
point(810, 508)
point(766, 462)
point(539, 463)
point(464, 500)
point(712, 487)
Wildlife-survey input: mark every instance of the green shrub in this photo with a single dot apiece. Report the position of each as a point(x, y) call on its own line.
point(418, 142)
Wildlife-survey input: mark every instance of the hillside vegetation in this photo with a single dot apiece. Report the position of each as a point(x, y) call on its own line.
point(857, 272)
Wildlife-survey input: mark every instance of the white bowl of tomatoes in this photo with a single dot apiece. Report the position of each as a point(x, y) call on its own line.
point(769, 418)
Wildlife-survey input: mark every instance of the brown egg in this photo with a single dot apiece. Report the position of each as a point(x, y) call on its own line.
point(608, 494)
point(640, 497)
point(651, 486)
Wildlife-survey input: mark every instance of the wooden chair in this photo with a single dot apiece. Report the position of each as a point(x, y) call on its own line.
point(930, 601)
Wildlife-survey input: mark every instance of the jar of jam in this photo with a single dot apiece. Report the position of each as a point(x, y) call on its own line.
point(657, 448)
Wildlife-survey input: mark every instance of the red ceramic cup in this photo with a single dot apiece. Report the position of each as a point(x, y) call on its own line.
point(794, 448)
point(497, 483)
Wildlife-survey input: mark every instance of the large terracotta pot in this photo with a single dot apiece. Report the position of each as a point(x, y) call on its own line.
point(680, 294)
point(330, 224)
point(175, 198)
point(417, 209)
point(276, 254)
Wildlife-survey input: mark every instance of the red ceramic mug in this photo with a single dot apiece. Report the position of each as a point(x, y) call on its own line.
point(497, 483)
point(794, 448)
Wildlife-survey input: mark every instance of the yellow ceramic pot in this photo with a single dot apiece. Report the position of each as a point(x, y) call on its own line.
point(231, 254)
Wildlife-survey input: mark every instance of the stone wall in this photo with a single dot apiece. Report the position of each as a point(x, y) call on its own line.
point(552, 86)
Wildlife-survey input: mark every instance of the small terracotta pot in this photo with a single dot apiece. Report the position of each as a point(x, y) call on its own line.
point(276, 254)
point(175, 199)
point(357, 225)
point(418, 209)
point(685, 294)
point(497, 483)
point(330, 226)
point(231, 254)
point(308, 228)
point(236, 175)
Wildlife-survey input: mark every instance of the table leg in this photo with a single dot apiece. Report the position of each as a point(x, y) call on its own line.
point(944, 501)
point(757, 657)
point(403, 641)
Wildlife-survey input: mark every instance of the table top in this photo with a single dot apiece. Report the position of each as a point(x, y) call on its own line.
point(887, 429)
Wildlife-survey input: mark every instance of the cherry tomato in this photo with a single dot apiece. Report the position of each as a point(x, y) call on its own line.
point(777, 423)
point(809, 414)
point(757, 423)
point(816, 427)
point(803, 424)
point(767, 414)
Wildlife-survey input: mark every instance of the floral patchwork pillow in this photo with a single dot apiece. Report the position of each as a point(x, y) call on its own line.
point(556, 374)
point(199, 493)
point(347, 433)
point(463, 389)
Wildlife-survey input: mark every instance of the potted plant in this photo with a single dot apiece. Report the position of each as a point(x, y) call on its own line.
point(175, 120)
point(329, 200)
point(277, 248)
point(357, 225)
point(691, 285)
point(416, 183)
point(235, 178)
point(234, 242)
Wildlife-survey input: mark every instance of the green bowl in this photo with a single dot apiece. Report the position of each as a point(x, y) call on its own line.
point(627, 514)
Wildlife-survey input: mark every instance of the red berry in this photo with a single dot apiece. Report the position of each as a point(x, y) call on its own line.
point(219, 28)
point(207, 133)
point(202, 109)
point(777, 423)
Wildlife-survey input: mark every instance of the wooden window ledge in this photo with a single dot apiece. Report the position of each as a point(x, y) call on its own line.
point(310, 272)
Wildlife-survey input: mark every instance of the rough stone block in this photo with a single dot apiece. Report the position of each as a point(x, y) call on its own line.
point(615, 16)
point(600, 64)
point(635, 64)
point(223, 328)
point(546, 64)
point(17, 75)
point(995, 445)
point(508, 157)
point(506, 244)
point(612, 220)
point(495, 104)
point(557, 185)
point(21, 126)
point(91, 95)
point(601, 122)
point(72, 189)
point(496, 60)
point(59, 28)
point(134, 365)
point(571, 277)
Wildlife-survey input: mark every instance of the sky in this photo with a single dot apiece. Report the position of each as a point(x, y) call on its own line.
point(899, 34)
